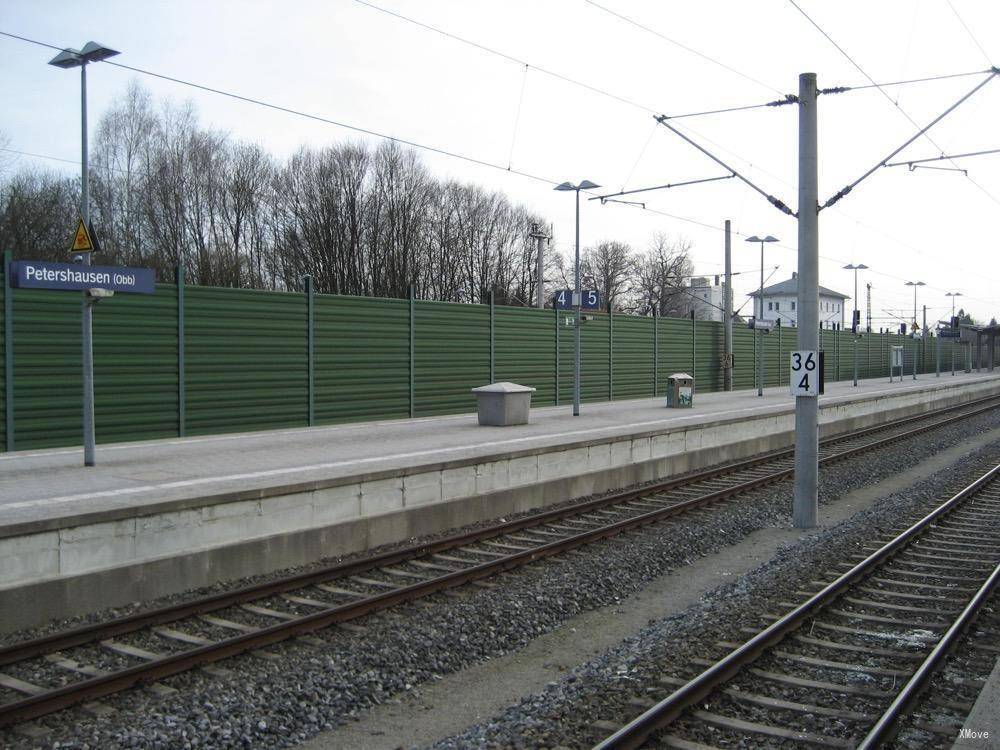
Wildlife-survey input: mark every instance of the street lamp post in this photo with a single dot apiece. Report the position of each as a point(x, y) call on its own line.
point(915, 284)
point(577, 297)
point(72, 58)
point(760, 333)
point(953, 295)
point(856, 314)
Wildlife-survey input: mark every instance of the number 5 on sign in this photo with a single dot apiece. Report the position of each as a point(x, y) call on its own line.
point(804, 376)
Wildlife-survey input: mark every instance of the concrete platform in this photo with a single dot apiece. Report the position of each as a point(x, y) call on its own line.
point(161, 516)
point(982, 727)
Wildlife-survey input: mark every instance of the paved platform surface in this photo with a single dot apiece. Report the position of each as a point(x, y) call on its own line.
point(983, 724)
point(50, 484)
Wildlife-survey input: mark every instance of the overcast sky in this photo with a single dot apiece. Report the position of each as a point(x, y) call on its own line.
point(345, 61)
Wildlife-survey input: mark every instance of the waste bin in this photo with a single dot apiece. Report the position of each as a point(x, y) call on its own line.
point(503, 404)
point(680, 391)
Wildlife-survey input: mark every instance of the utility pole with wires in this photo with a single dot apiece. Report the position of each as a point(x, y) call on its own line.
point(727, 315)
point(805, 505)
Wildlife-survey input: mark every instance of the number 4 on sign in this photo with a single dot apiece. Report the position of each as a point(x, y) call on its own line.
point(803, 378)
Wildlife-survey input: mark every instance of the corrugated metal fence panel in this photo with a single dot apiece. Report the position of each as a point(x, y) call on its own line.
point(709, 348)
point(48, 396)
point(135, 366)
point(594, 361)
point(362, 358)
point(452, 356)
point(246, 356)
point(3, 382)
point(565, 340)
point(772, 361)
point(744, 362)
point(633, 357)
point(674, 350)
point(789, 344)
point(524, 346)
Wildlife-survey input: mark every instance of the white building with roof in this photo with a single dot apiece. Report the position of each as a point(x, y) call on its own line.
point(706, 299)
point(779, 302)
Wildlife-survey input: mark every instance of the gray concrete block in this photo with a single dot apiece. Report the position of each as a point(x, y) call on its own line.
point(503, 404)
point(381, 496)
point(421, 489)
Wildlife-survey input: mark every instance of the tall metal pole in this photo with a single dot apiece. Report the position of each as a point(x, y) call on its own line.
point(87, 330)
point(577, 299)
point(937, 353)
point(760, 333)
point(952, 340)
point(805, 510)
point(855, 324)
point(727, 326)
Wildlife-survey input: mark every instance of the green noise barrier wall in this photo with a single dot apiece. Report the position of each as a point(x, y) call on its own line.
point(192, 360)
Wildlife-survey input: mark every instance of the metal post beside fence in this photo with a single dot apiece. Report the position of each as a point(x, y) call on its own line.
point(656, 353)
point(412, 293)
point(492, 328)
point(611, 354)
point(694, 353)
point(310, 353)
point(181, 377)
point(555, 311)
point(8, 354)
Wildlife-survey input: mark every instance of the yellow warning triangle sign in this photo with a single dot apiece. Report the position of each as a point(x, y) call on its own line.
point(81, 240)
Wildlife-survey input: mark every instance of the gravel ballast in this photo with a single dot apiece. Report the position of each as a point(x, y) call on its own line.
point(302, 687)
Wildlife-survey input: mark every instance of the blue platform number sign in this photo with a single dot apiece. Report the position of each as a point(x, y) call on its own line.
point(590, 299)
point(803, 377)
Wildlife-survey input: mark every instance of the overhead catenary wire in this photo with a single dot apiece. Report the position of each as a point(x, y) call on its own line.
point(517, 117)
point(560, 76)
point(642, 153)
point(944, 156)
point(433, 149)
point(667, 186)
point(926, 79)
point(889, 98)
point(844, 191)
point(969, 32)
point(770, 198)
point(686, 48)
point(348, 126)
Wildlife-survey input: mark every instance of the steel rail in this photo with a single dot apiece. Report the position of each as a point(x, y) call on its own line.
point(636, 732)
point(888, 722)
point(95, 687)
point(88, 633)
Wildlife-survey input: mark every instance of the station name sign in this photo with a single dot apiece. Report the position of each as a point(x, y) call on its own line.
point(34, 274)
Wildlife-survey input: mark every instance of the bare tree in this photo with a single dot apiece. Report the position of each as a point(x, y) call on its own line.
point(119, 173)
point(38, 211)
point(168, 191)
point(611, 264)
point(660, 276)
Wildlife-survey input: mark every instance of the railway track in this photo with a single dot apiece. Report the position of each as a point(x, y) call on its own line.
point(86, 663)
point(843, 666)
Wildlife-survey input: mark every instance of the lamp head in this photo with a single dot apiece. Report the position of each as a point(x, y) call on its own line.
point(587, 185)
point(565, 186)
point(68, 58)
point(74, 58)
point(95, 52)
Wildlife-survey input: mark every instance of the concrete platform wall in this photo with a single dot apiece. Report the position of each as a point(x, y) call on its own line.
point(78, 568)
